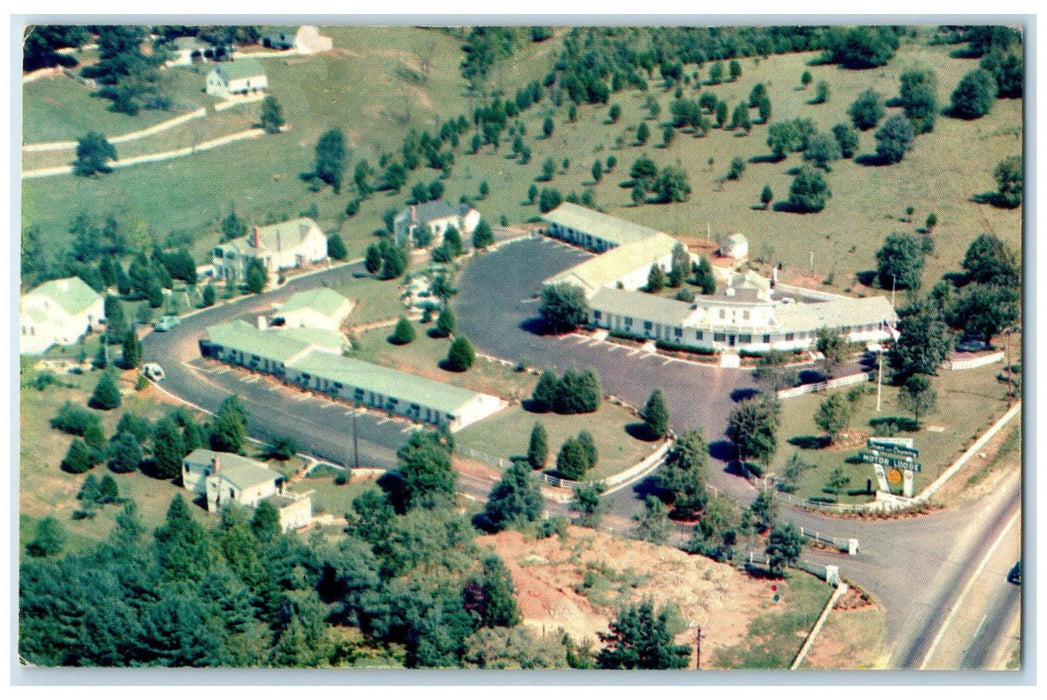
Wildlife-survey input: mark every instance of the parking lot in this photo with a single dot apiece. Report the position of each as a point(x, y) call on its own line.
point(497, 308)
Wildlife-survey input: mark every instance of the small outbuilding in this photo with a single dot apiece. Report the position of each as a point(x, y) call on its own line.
point(243, 76)
point(316, 308)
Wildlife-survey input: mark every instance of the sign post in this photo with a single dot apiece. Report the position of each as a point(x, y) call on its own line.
point(898, 456)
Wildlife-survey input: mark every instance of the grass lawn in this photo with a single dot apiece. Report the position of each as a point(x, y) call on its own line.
point(44, 489)
point(61, 109)
point(424, 355)
point(849, 640)
point(375, 88)
point(329, 497)
point(774, 638)
point(506, 434)
point(376, 300)
point(968, 402)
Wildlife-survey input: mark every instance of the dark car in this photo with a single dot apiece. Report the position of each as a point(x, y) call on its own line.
point(1015, 574)
point(972, 346)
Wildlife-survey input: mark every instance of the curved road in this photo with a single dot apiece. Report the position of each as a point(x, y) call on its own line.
point(915, 567)
point(320, 427)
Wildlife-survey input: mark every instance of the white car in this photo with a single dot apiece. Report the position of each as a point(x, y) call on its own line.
point(153, 371)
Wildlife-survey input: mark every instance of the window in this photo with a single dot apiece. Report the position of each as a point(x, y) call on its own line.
point(647, 325)
point(790, 336)
point(697, 335)
point(723, 314)
point(745, 338)
point(628, 320)
point(745, 315)
point(678, 332)
point(845, 329)
point(767, 339)
point(597, 315)
point(719, 337)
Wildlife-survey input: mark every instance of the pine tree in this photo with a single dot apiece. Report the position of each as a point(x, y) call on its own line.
point(336, 247)
point(585, 439)
point(538, 447)
point(572, 459)
point(132, 350)
point(168, 449)
point(446, 322)
point(546, 391)
point(461, 355)
point(78, 458)
point(229, 431)
point(106, 395)
point(655, 415)
point(125, 453)
point(404, 332)
point(49, 540)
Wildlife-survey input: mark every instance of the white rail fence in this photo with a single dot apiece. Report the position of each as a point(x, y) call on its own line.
point(830, 384)
point(973, 362)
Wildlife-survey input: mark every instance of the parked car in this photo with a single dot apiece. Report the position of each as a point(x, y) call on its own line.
point(1015, 574)
point(153, 371)
point(166, 323)
point(972, 346)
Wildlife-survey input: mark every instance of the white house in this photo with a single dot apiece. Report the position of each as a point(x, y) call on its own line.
point(243, 76)
point(316, 308)
point(435, 217)
point(282, 246)
point(58, 311)
point(226, 478)
point(747, 312)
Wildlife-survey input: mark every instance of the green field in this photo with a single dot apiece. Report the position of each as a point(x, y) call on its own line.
point(424, 355)
point(506, 434)
point(373, 86)
point(968, 402)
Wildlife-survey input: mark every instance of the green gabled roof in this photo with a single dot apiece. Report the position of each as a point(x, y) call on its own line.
point(236, 469)
point(242, 336)
point(71, 293)
point(607, 268)
point(321, 337)
point(392, 383)
point(641, 306)
point(242, 68)
point(325, 301)
point(610, 228)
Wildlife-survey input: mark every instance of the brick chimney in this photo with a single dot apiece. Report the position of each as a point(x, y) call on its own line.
point(214, 464)
point(256, 239)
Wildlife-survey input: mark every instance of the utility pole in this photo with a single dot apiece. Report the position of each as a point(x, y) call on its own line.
point(879, 380)
point(698, 650)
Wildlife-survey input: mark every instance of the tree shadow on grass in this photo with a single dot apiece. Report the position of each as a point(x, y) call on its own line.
point(866, 277)
point(447, 367)
point(994, 199)
point(639, 431)
point(532, 406)
point(739, 395)
point(771, 158)
point(809, 442)
point(435, 333)
point(873, 160)
point(790, 208)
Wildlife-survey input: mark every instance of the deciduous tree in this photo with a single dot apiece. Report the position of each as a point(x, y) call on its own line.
point(93, 153)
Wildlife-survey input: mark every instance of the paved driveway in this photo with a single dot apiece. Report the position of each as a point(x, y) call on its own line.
point(497, 308)
point(321, 428)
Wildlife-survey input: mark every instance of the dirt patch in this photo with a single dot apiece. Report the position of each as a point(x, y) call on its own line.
point(851, 639)
point(849, 440)
point(575, 583)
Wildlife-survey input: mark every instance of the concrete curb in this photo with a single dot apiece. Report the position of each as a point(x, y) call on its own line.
point(840, 590)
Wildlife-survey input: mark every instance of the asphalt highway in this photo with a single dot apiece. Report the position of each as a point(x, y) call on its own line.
point(916, 568)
